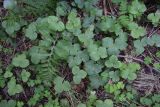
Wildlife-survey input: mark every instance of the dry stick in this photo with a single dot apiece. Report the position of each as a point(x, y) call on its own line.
point(153, 32)
point(25, 95)
point(136, 59)
point(139, 60)
point(104, 7)
point(69, 99)
point(153, 57)
point(108, 1)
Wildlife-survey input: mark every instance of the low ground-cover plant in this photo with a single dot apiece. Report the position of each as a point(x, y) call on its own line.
point(79, 53)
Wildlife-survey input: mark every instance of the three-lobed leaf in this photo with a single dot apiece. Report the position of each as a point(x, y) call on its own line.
point(113, 62)
point(20, 61)
point(25, 75)
point(14, 88)
point(106, 103)
point(61, 85)
point(78, 74)
point(11, 26)
point(154, 18)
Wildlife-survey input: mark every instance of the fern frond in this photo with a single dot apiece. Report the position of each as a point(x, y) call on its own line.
point(46, 71)
point(37, 7)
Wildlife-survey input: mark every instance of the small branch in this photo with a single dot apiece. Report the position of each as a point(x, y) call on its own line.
point(109, 3)
point(139, 60)
point(130, 57)
point(69, 97)
point(153, 32)
point(104, 7)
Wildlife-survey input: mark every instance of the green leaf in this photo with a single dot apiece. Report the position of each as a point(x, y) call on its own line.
point(62, 49)
point(114, 88)
point(25, 75)
point(14, 88)
point(158, 54)
point(156, 105)
point(157, 66)
point(87, 21)
point(121, 42)
point(55, 24)
point(81, 105)
point(146, 101)
point(102, 52)
point(156, 39)
point(124, 20)
point(20, 104)
point(10, 26)
point(96, 81)
point(78, 74)
point(80, 3)
point(106, 103)
point(93, 52)
point(38, 54)
point(62, 8)
point(148, 60)
point(114, 47)
point(137, 8)
point(45, 26)
point(117, 1)
point(113, 62)
point(91, 9)
point(9, 4)
point(106, 23)
point(120, 85)
point(81, 56)
point(87, 37)
point(8, 74)
point(127, 75)
point(64, 103)
point(10, 103)
point(74, 50)
point(73, 23)
point(20, 61)
point(114, 75)
point(156, 98)
point(136, 31)
point(31, 31)
point(154, 18)
point(107, 42)
point(93, 68)
point(123, 6)
point(105, 75)
point(74, 61)
point(2, 79)
point(139, 46)
point(61, 85)
point(129, 71)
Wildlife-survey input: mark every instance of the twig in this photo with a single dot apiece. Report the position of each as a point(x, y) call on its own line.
point(130, 57)
point(153, 32)
point(104, 7)
point(25, 95)
point(139, 60)
point(108, 1)
point(153, 57)
point(69, 97)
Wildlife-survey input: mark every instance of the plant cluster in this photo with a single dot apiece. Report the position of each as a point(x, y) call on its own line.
point(79, 53)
